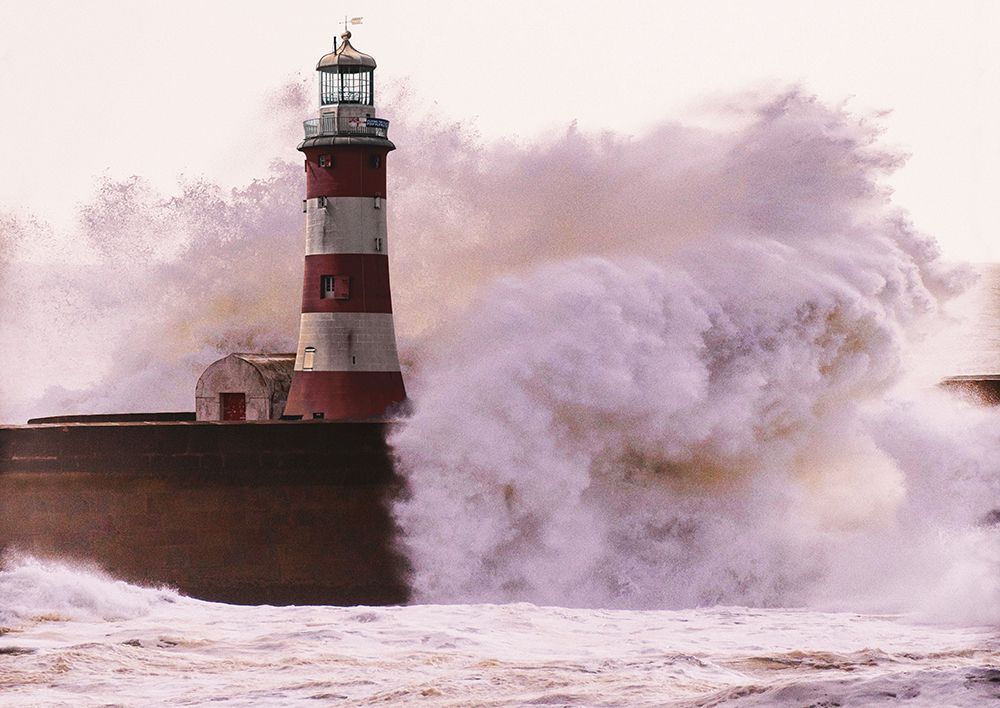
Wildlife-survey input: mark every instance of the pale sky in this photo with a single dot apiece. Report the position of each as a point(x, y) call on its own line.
point(159, 90)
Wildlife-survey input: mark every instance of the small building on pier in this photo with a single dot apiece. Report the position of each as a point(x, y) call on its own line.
point(244, 387)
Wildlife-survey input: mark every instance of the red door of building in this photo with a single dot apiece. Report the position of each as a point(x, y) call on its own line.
point(233, 406)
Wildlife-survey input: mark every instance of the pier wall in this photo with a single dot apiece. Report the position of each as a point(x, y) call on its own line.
point(984, 389)
point(264, 512)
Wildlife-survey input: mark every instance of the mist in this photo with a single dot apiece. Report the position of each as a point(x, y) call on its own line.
point(681, 379)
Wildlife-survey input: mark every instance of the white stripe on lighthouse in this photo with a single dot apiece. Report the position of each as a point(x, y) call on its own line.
point(348, 341)
point(346, 225)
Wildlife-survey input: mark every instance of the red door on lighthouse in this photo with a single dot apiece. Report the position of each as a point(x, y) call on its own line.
point(233, 406)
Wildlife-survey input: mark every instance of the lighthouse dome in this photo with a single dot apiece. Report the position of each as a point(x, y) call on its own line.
point(344, 56)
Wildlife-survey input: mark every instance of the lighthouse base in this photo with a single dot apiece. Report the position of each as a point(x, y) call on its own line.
point(344, 395)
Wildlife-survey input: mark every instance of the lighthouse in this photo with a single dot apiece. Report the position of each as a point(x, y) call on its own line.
point(346, 363)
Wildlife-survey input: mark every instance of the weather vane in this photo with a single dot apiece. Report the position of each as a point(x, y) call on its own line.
point(347, 33)
point(352, 21)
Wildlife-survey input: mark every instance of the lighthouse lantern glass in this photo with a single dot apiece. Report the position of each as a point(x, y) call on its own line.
point(347, 84)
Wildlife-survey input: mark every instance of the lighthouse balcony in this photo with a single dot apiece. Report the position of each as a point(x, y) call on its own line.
point(337, 125)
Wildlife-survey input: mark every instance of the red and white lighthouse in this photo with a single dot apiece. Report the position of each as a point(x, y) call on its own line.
point(346, 365)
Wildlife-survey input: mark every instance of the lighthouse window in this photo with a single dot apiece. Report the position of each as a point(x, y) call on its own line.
point(326, 161)
point(335, 287)
point(375, 161)
point(308, 359)
point(321, 202)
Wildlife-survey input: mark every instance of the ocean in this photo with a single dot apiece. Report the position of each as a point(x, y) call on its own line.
point(73, 637)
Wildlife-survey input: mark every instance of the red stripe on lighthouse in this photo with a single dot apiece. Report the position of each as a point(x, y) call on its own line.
point(342, 395)
point(368, 286)
point(355, 172)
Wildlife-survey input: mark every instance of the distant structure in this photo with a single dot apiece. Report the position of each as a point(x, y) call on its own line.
point(978, 388)
point(346, 365)
point(244, 387)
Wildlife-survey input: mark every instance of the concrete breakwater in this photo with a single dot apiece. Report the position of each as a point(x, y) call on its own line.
point(983, 388)
point(249, 513)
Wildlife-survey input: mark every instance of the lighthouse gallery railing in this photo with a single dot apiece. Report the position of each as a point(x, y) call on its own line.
point(330, 125)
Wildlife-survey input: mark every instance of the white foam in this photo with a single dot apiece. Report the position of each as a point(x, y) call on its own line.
point(199, 653)
point(36, 589)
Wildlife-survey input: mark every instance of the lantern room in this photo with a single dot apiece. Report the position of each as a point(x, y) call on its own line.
point(346, 95)
point(346, 76)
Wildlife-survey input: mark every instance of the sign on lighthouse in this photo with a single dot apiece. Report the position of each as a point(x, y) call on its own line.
point(346, 364)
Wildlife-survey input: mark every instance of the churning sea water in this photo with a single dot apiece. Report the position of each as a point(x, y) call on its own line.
point(73, 637)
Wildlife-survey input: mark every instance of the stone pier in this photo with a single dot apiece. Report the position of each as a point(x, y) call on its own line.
point(250, 513)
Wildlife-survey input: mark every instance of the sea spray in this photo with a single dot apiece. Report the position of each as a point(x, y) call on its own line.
point(153, 287)
point(668, 414)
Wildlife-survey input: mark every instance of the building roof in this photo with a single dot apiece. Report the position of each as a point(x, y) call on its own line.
point(275, 370)
point(345, 55)
point(273, 367)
